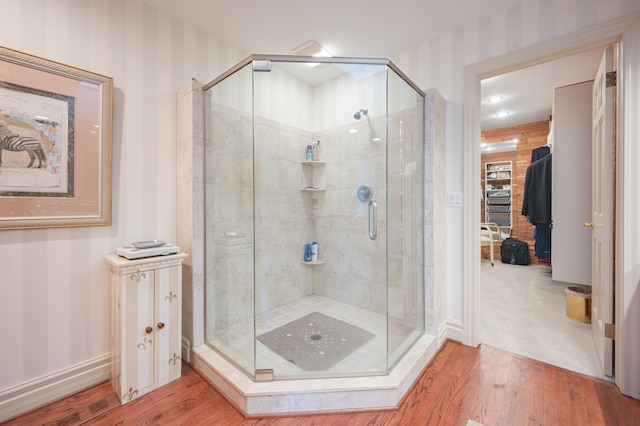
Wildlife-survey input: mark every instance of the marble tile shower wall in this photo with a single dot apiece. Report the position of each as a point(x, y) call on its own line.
point(282, 219)
point(355, 270)
point(286, 218)
point(405, 222)
point(229, 219)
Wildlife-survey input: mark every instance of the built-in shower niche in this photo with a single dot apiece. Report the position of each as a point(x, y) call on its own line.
point(263, 201)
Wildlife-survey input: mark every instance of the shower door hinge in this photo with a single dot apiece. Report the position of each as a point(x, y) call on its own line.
point(610, 331)
point(262, 65)
point(611, 79)
point(264, 375)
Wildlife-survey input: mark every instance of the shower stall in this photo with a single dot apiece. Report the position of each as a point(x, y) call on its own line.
point(314, 217)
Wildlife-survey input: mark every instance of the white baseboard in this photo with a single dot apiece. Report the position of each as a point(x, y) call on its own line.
point(35, 393)
point(450, 329)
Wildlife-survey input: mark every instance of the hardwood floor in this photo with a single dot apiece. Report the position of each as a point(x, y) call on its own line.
point(485, 384)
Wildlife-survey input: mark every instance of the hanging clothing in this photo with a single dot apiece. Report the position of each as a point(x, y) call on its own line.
point(539, 153)
point(542, 237)
point(536, 204)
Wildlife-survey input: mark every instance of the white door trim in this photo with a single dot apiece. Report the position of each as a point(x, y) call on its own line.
point(627, 262)
point(597, 36)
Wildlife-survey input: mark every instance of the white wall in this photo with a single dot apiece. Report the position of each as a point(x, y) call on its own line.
point(440, 63)
point(54, 284)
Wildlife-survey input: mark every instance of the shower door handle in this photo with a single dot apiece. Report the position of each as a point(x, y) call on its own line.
point(373, 220)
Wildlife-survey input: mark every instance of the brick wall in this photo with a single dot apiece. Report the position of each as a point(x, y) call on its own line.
point(530, 136)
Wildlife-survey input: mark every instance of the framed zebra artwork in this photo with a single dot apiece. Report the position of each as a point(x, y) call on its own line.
point(55, 144)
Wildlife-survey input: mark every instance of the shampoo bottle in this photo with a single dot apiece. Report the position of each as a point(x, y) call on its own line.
point(309, 153)
point(314, 251)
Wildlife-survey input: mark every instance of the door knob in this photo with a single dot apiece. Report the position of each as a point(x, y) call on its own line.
point(588, 224)
point(148, 330)
point(160, 325)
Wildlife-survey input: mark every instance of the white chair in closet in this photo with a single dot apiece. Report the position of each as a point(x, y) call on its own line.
point(489, 235)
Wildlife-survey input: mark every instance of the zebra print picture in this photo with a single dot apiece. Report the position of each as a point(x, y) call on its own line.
point(36, 142)
point(55, 144)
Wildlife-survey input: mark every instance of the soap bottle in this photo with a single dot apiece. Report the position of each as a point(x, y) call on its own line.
point(314, 251)
point(307, 253)
point(309, 153)
point(315, 145)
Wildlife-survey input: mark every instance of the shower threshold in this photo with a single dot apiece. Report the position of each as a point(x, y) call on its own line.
point(282, 397)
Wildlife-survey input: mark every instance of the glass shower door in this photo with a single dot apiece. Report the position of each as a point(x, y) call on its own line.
point(229, 299)
point(320, 164)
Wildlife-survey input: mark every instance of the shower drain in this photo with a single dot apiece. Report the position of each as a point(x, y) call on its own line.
point(316, 341)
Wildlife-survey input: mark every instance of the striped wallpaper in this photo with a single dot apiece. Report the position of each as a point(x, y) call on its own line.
point(54, 283)
point(54, 298)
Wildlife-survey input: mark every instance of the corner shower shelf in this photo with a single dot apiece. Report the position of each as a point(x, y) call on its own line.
point(313, 189)
point(317, 262)
point(313, 162)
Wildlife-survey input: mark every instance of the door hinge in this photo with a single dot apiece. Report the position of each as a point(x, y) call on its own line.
point(264, 375)
point(263, 65)
point(610, 331)
point(611, 79)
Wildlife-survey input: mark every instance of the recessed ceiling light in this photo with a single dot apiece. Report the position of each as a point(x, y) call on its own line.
point(483, 145)
point(502, 114)
point(495, 99)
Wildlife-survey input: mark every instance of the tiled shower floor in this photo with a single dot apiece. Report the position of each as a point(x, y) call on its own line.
point(236, 342)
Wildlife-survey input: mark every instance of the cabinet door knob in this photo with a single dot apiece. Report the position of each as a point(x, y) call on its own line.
point(588, 224)
point(148, 330)
point(160, 325)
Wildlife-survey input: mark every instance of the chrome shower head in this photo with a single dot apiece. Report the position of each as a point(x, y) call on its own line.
point(358, 115)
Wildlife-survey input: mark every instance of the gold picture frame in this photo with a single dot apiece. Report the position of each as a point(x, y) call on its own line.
point(55, 144)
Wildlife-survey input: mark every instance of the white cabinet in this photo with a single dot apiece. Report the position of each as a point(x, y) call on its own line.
point(497, 193)
point(146, 328)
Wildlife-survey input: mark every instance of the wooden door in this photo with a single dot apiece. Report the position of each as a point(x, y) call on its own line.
point(603, 193)
point(571, 194)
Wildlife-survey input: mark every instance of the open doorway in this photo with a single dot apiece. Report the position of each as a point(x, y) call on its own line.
point(522, 308)
point(626, 31)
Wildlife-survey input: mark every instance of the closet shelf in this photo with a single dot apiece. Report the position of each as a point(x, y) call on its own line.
point(317, 262)
point(498, 201)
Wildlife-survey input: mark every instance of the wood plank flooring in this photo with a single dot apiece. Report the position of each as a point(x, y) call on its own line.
point(485, 384)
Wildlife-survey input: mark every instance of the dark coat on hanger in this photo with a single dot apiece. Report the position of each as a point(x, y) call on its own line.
point(536, 204)
point(539, 153)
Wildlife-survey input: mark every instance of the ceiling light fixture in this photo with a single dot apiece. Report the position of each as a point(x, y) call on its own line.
point(495, 99)
point(311, 48)
point(502, 114)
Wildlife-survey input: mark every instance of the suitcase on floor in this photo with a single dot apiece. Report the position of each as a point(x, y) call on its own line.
point(514, 251)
